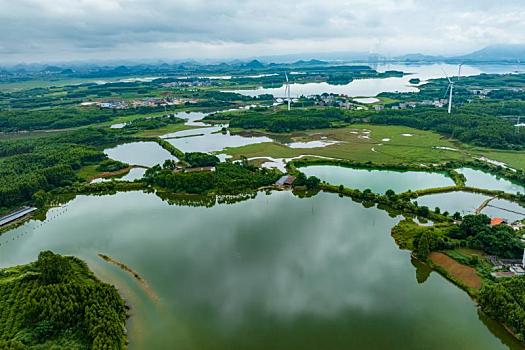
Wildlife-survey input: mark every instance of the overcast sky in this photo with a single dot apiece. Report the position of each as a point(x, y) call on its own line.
point(62, 30)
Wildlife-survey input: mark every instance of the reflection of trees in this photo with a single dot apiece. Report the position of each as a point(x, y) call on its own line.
point(208, 201)
point(499, 331)
point(187, 200)
point(236, 198)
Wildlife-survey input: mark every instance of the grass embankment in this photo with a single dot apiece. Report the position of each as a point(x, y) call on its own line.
point(174, 151)
point(90, 172)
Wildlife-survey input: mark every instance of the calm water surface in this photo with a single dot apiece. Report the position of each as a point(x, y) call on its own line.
point(466, 203)
point(379, 181)
point(275, 272)
point(480, 179)
point(140, 153)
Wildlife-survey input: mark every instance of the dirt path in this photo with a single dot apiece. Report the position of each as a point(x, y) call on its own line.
point(465, 274)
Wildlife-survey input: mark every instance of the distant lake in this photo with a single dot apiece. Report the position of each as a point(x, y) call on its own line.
point(373, 87)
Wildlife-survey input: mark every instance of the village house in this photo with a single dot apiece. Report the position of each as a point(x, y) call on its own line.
point(285, 181)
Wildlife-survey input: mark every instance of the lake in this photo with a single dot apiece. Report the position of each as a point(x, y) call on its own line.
point(275, 272)
point(480, 179)
point(379, 181)
point(372, 87)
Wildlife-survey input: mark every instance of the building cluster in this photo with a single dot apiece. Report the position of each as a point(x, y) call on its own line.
point(502, 268)
point(137, 103)
point(189, 83)
point(332, 100)
point(343, 101)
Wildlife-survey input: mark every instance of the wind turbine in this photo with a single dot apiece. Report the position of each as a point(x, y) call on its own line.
point(459, 70)
point(450, 89)
point(287, 91)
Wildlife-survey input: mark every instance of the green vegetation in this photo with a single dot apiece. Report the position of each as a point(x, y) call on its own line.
point(476, 128)
point(363, 143)
point(110, 165)
point(56, 118)
point(505, 301)
point(198, 159)
point(474, 232)
point(170, 148)
point(152, 123)
point(57, 303)
point(228, 178)
point(30, 165)
point(286, 121)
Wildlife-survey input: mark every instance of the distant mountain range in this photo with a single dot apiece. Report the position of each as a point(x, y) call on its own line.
point(503, 53)
point(509, 53)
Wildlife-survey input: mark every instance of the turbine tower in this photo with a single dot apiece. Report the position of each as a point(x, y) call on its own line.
point(450, 89)
point(287, 91)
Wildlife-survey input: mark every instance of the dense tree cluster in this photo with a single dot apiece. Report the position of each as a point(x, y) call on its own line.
point(152, 123)
point(500, 240)
point(29, 165)
point(286, 121)
point(504, 301)
point(57, 302)
point(53, 118)
point(199, 159)
point(228, 178)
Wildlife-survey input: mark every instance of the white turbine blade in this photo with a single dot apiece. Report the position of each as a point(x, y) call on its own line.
point(446, 91)
point(286, 75)
point(450, 81)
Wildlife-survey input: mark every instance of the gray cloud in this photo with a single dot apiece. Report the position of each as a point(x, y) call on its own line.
point(33, 30)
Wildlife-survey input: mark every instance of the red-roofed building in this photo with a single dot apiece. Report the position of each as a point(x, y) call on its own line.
point(497, 221)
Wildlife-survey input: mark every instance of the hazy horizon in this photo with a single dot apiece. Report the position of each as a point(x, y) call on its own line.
point(94, 30)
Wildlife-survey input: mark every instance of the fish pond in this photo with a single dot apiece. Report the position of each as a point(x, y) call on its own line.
point(379, 181)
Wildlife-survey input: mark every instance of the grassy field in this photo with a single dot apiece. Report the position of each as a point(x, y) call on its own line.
point(380, 144)
point(88, 172)
point(375, 143)
point(515, 159)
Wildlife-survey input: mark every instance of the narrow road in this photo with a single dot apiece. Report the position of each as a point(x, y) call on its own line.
point(484, 205)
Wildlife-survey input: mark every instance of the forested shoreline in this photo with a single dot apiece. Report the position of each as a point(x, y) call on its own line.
point(58, 302)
